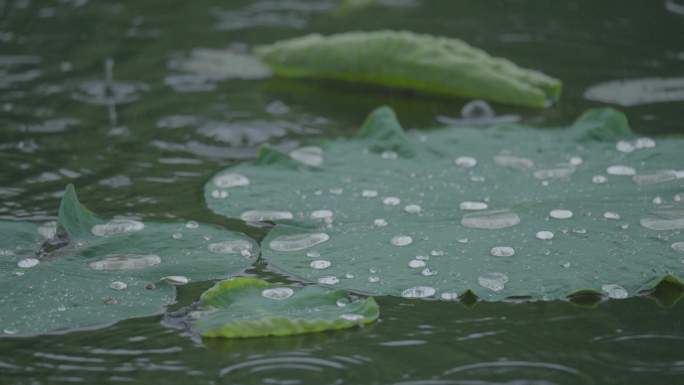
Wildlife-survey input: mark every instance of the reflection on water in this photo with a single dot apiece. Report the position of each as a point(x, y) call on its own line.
point(139, 103)
point(417, 342)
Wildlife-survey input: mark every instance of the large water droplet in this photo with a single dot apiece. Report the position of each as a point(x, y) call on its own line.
point(320, 264)
point(126, 262)
point(230, 180)
point(513, 162)
point(391, 201)
point(175, 280)
point(472, 206)
point(48, 229)
point(369, 193)
point(117, 226)
point(118, 285)
point(236, 246)
point(379, 222)
point(615, 291)
point(664, 219)
point(599, 179)
point(328, 280)
point(310, 155)
point(297, 242)
point(265, 215)
point(465, 162)
point(28, 263)
point(418, 292)
point(660, 176)
point(351, 317)
point(502, 251)
point(449, 296)
point(620, 170)
point(554, 173)
point(416, 263)
point(491, 220)
point(544, 235)
point(412, 209)
point(191, 225)
point(493, 281)
point(277, 293)
point(401, 240)
point(560, 214)
point(322, 214)
point(678, 247)
point(611, 215)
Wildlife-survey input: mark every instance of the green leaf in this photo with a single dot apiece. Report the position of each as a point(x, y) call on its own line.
point(384, 131)
point(251, 307)
point(387, 223)
point(411, 61)
point(74, 218)
point(75, 286)
point(602, 124)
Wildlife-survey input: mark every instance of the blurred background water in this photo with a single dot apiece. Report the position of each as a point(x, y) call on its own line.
point(129, 101)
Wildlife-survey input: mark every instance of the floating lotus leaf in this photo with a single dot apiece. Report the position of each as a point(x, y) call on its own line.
point(92, 272)
point(251, 307)
point(410, 61)
point(506, 211)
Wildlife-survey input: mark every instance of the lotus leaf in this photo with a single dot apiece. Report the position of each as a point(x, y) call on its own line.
point(411, 61)
point(505, 211)
point(91, 272)
point(251, 307)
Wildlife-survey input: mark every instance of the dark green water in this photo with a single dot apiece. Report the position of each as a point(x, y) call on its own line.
point(150, 153)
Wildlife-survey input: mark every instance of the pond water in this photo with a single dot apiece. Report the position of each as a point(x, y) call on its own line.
point(99, 94)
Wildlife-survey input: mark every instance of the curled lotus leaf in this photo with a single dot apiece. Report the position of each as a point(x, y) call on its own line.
point(251, 307)
point(499, 212)
point(89, 272)
point(410, 61)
